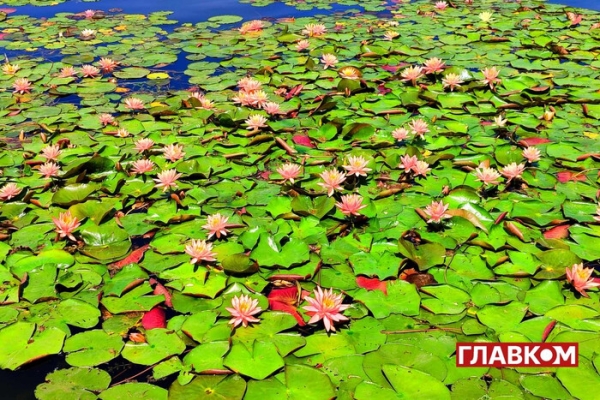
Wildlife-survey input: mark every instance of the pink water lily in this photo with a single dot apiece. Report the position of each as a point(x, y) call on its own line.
point(65, 224)
point(332, 180)
point(532, 154)
point(490, 76)
point(243, 309)
point(412, 74)
point(167, 179)
point(488, 176)
point(107, 64)
point(329, 60)
point(289, 171)
point(134, 104)
point(512, 171)
point(200, 250)
point(143, 145)
point(421, 168)
point(312, 30)
point(89, 71)
point(451, 81)
point(351, 204)
point(51, 152)
point(173, 152)
point(434, 65)
point(356, 165)
point(400, 133)
point(21, 86)
point(436, 211)
point(49, 169)
point(302, 45)
point(407, 163)
point(581, 278)
point(9, 191)
point(419, 127)
point(216, 225)
point(326, 306)
point(142, 166)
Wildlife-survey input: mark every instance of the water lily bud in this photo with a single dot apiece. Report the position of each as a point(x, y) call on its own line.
point(43, 136)
point(548, 115)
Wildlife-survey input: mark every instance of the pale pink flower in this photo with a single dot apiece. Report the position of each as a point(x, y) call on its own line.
point(243, 98)
point(329, 60)
point(436, 211)
point(351, 204)
point(332, 180)
point(326, 306)
point(408, 162)
point(272, 108)
point(302, 45)
point(200, 250)
point(122, 133)
point(357, 165)
point(581, 278)
point(66, 224)
point(106, 119)
point(89, 14)
point(532, 154)
point(9, 191)
point(412, 74)
point(107, 64)
point(167, 179)
point(574, 18)
point(421, 168)
point(248, 84)
point(289, 171)
point(134, 103)
point(242, 310)
point(350, 73)
point(67, 72)
point(419, 127)
point(21, 85)
point(313, 30)
point(400, 133)
point(49, 169)
point(255, 122)
point(441, 5)
point(512, 171)
point(490, 76)
point(88, 33)
point(434, 65)
point(51, 152)
point(196, 95)
point(173, 152)
point(143, 145)
point(452, 81)
point(488, 176)
point(257, 99)
point(390, 35)
point(252, 26)
point(142, 166)
point(206, 104)
point(89, 71)
point(216, 225)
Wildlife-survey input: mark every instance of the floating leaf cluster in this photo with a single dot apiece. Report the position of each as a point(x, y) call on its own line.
point(313, 208)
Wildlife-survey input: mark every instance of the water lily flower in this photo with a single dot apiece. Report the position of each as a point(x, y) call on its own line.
point(400, 133)
point(488, 176)
point(419, 127)
point(252, 26)
point(21, 85)
point(390, 35)
point(143, 145)
point(302, 45)
point(574, 18)
point(89, 71)
point(412, 74)
point(256, 121)
point(548, 115)
point(468, 2)
point(89, 14)
point(512, 171)
point(66, 224)
point(441, 5)
point(49, 169)
point(206, 103)
point(200, 250)
point(351, 204)
point(106, 119)
point(243, 309)
point(289, 172)
point(167, 179)
point(173, 152)
point(350, 73)
point(313, 30)
point(434, 65)
point(9, 191)
point(67, 72)
point(486, 16)
point(142, 166)
point(581, 278)
point(490, 76)
point(107, 65)
point(532, 154)
point(216, 225)
point(243, 98)
point(436, 211)
point(248, 84)
point(51, 152)
point(452, 81)
point(272, 108)
point(499, 121)
point(326, 306)
point(10, 69)
point(133, 103)
point(329, 60)
point(332, 180)
point(122, 133)
point(258, 98)
point(86, 33)
point(408, 162)
point(421, 168)
point(357, 166)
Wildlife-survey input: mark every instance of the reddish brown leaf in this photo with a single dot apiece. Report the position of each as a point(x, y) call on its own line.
point(294, 91)
point(137, 337)
point(160, 289)
point(154, 318)
point(548, 330)
point(284, 295)
point(558, 232)
point(533, 141)
point(566, 176)
point(371, 284)
point(133, 258)
point(302, 140)
point(500, 218)
point(512, 229)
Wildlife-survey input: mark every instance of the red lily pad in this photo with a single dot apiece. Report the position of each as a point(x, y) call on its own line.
point(371, 284)
point(154, 318)
point(566, 176)
point(557, 232)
